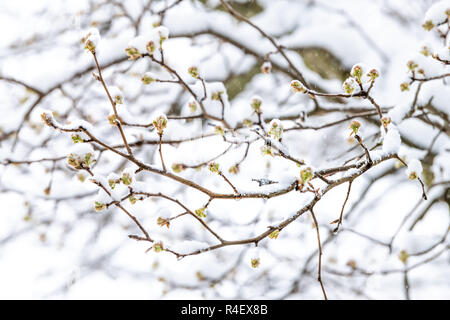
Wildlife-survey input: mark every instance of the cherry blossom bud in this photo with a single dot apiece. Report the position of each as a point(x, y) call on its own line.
point(412, 65)
point(373, 74)
point(357, 72)
point(91, 40)
point(385, 121)
point(98, 206)
point(158, 246)
point(192, 105)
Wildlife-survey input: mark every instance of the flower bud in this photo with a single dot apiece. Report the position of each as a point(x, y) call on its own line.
point(213, 167)
point(276, 129)
point(355, 125)
point(160, 123)
point(148, 78)
point(349, 85)
point(193, 71)
point(256, 104)
point(404, 86)
point(201, 212)
point(297, 86)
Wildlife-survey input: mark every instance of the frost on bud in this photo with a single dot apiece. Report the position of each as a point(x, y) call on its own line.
point(357, 72)
point(193, 72)
point(192, 106)
point(160, 123)
point(234, 169)
point(151, 47)
point(158, 246)
point(213, 167)
point(82, 156)
point(256, 103)
point(385, 121)
point(404, 86)
point(276, 129)
point(373, 74)
point(414, 169)
point(178, 167)
point(274, 234)
point(148, 78)
point(349, 85)
point(403, 256)
point(266, 67)
point(428, 25)
point(354, 126)
point(98, 206)
point(297, 86)
point(411, 65)
point(116, 94)
point(163, 222)
point(219, 131)
point(306, 175)
point(201, 212)
point(91, 40)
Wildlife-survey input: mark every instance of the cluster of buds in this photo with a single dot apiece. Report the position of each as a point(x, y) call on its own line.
point(255, 260)
point(163, 222)
point(76, 138)
point(201, 212)
point(127, 177)
point(213, 167)
point(297, 86)
point(91, 40)
point(98, 206)
point(385, 121)
point(148, 78)
point(354, 126)
point(411, 65)
point(193, 72)
point(256, 103)
point(276, 129)
point(425, 51)
point(81, 157)
point(404, 86)
point(160, 123)
point(306, 176)
point(266, 67)
point(158, 246)
point(349, 85)
point(132, 53)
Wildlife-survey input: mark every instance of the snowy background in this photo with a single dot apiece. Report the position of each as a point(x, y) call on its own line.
point(392, 243)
